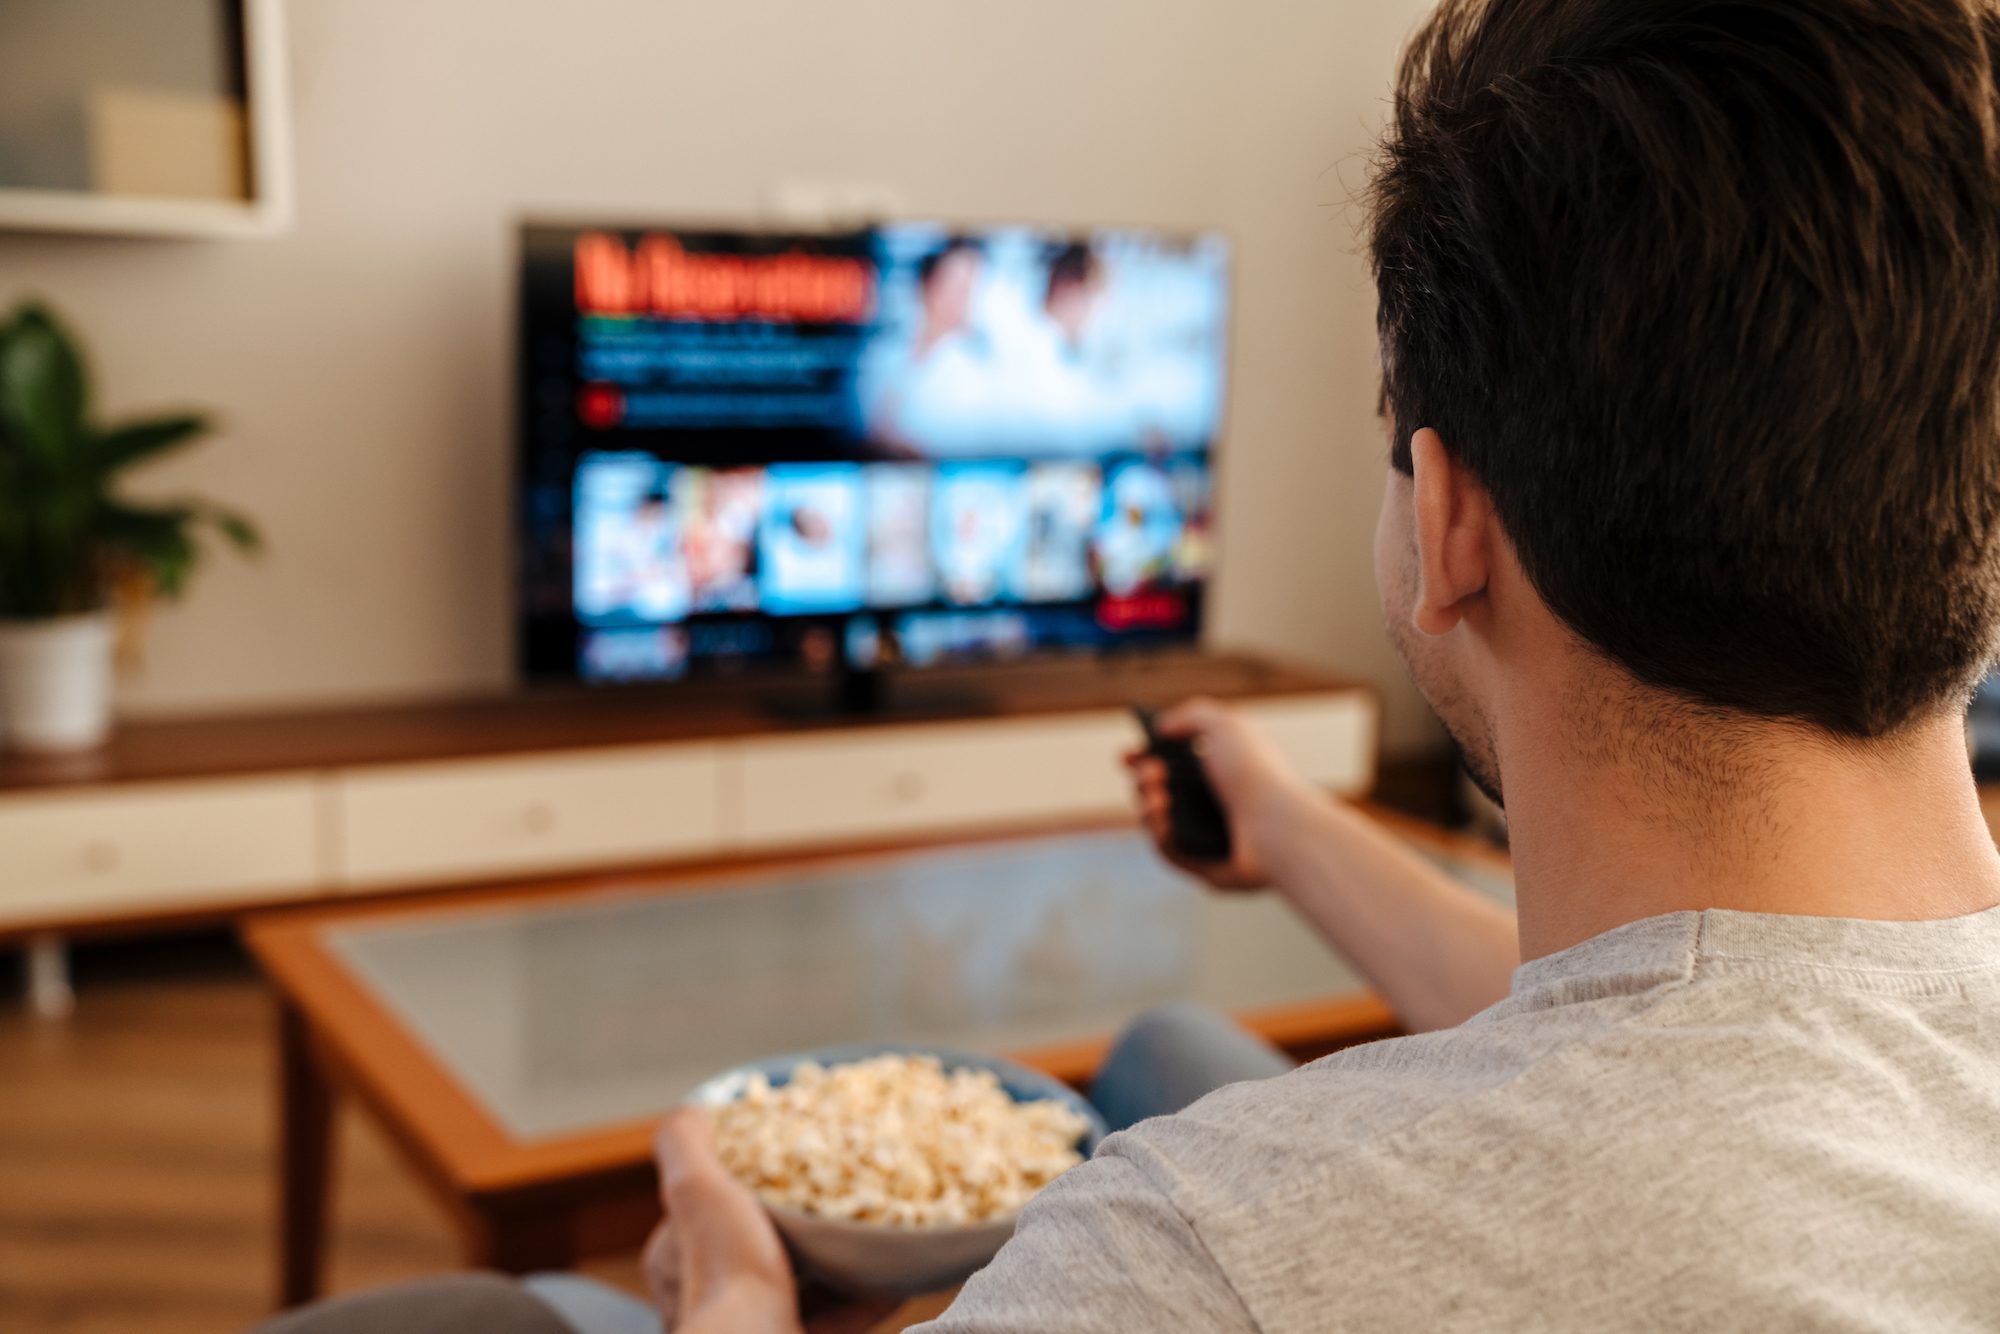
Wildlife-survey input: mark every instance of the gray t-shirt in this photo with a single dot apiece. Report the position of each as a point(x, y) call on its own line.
point(1714, 1121)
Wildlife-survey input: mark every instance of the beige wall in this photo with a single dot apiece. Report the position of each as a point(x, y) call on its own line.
point(363, 360)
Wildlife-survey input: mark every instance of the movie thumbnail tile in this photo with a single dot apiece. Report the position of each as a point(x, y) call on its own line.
point(719, 515)
point(1194, 555)
point(1064, 501)
point(931, 638)
point(651, 653)
point(979, 530)
point(899, 557)
point(1139, 528)
point(628, 560)
point(812, 543)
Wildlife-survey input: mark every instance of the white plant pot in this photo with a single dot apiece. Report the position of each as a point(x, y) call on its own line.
point(55, 682)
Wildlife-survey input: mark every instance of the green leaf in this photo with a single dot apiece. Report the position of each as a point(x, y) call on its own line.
point(43, 392)
point(156, 540)
point(240, 532)
point(64, 535)
point(126, 445)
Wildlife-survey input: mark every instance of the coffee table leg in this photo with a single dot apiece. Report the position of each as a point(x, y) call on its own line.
point(305, 1132)
point(520, 1243)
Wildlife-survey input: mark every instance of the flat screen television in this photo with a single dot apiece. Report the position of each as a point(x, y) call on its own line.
point(910, 444)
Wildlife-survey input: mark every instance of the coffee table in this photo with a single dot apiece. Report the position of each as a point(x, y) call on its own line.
point(518, 1045)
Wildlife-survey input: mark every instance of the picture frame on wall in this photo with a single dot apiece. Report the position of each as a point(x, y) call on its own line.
point(145, 117)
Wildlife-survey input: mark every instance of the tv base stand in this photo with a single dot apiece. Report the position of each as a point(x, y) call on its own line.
point(877, 695)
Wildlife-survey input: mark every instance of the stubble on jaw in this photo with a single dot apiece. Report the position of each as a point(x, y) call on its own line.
point(1465, 720)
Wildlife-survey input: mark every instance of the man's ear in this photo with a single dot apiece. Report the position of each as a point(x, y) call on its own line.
point(1453, 526)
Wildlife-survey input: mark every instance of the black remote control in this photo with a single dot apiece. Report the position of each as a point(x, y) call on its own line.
point(1198, 829)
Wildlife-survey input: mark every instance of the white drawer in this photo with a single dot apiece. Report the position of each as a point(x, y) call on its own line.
point(1330, 738)
point(836, 788)
point(410, 824)
point(170, 845)
point(849, 788)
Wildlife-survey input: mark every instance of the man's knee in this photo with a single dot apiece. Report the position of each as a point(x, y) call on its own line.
point(1174, 1054)
point(1174, 1026)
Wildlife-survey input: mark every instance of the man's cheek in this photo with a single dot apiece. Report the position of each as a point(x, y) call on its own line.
point(1392, 555)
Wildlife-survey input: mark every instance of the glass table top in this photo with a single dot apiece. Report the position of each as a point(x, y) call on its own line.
point(569, 1015)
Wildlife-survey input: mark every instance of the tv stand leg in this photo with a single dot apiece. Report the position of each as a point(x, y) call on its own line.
point(50, 994)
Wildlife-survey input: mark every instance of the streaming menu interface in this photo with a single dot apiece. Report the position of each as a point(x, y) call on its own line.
point(907, 443)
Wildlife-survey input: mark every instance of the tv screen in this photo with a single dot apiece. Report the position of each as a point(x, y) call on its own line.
point(912, 443)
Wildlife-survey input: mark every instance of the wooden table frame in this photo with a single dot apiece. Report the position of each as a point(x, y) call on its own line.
point(542, 1204)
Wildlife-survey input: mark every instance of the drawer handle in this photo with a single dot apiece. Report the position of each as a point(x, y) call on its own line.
point(539, 818)
point(100, 855)
point(907, 786)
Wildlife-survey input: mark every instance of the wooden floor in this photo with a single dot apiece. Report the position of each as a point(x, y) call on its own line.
point(136, 1188)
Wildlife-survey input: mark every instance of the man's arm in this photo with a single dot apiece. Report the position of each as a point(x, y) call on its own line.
point(1437, 952)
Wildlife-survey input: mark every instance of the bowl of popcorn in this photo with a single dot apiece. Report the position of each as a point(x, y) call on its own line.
point(895, 1170)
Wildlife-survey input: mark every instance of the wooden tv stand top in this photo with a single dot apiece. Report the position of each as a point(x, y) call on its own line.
point(534, 722)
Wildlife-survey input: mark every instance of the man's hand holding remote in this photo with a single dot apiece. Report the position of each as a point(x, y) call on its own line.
point(1251, 780)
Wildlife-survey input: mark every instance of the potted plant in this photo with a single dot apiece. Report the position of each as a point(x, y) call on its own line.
point(71, 543)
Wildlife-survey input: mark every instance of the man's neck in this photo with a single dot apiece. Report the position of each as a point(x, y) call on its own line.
point(1618, 821)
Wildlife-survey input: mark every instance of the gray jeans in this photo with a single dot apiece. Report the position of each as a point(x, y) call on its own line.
point(1169, 1057)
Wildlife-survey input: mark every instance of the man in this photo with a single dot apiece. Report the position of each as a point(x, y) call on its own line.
point(943, 377)
point(1690, 327)
point(1690, 318)
point(1076, 281)
point(1059, 397)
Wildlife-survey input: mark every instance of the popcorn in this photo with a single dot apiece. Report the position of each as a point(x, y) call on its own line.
point(895, 1140)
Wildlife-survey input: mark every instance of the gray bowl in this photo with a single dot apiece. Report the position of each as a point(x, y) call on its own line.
point(879, 1257)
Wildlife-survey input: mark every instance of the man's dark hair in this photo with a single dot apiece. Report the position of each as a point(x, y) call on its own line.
point(927, 267)
point(1071, 265)
point(1707, 295)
